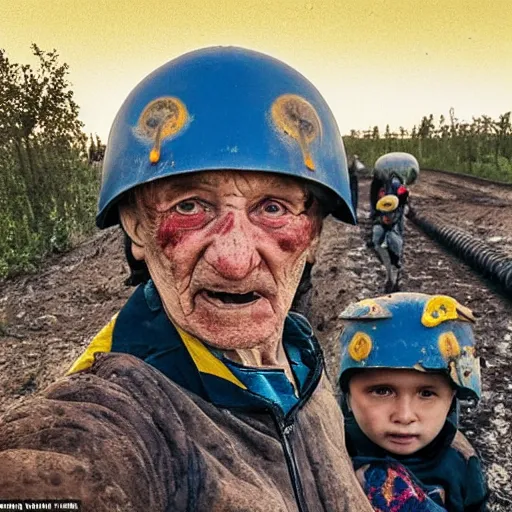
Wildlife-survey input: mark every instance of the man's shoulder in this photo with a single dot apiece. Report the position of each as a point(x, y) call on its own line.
point(114, 378)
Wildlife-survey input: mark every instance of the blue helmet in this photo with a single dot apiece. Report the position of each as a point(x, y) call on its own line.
point(225, 108)
point(411, 331)
point(403, 165)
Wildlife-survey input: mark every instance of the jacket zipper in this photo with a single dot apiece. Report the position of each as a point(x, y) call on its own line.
point(291, 462)
point(286, 428)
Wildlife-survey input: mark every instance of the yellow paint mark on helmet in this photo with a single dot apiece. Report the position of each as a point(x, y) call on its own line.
point(366, 308)
point(296, 117)
point(309, 162)
point(387, 203)
point(154, 155)
point(360, 346)
point(438, 309)
point(162, 118)
point(449, 346)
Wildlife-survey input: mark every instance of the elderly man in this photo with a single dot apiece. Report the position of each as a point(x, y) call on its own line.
point(204, 392)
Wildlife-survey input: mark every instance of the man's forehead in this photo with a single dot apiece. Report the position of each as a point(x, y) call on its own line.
point(243, 181)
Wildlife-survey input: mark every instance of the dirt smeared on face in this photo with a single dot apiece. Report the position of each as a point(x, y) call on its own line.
point(299, 236)
point(225, 225)
point(226, 253)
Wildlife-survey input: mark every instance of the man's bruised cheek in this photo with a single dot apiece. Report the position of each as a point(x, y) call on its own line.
point(176, 227)
point(297, 235)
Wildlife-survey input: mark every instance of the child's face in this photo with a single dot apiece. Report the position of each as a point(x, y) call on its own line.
point(400, 410)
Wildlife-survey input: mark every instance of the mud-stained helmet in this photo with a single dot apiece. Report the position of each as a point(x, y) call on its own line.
point(225, 108)
point(403, 165)
point(411, 331)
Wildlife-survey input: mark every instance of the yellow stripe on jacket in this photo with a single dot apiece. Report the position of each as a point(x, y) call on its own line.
point(204, 360)
point(102, 342)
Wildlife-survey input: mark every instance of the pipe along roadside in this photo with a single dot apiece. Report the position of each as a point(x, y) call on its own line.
point(490, 262)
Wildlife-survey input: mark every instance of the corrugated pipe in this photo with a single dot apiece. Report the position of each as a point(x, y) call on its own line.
point(490, 262)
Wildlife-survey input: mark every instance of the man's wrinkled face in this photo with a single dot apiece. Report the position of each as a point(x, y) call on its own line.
point(226, 251)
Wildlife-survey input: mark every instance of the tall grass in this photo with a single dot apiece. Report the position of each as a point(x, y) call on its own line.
point(480, 148)
point(49, 213)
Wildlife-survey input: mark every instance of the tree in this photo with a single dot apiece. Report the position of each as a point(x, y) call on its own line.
point(43, 173)
point(482, 147)
point(96, 150)
point(37, 109)
point(504, 137)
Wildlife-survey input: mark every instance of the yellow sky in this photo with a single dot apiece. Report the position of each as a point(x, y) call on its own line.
point(375, 61)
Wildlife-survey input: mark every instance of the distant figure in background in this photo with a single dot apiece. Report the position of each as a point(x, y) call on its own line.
point(355, 165)
point(388, 198)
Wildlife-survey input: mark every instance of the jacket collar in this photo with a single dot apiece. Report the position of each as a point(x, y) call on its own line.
point(144, 330)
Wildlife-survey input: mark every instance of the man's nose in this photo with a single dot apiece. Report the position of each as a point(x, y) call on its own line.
point(404, 411)
point(232, 252)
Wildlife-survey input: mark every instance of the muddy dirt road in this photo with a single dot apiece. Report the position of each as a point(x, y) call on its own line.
point(48, 318)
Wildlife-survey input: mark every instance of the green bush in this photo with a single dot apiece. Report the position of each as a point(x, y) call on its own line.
point(48, 190)
point(482, 148)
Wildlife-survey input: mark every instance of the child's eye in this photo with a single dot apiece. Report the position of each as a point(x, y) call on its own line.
point(427, 393)
point(381, 391)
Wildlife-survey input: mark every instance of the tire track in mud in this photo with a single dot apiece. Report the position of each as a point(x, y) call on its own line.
point(347, 270)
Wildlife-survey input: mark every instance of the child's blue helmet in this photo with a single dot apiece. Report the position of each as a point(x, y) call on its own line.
point(411, 331)
point(225, 108)
point(403, 165)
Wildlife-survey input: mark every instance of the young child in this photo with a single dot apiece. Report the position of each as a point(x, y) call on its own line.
point(406, 360)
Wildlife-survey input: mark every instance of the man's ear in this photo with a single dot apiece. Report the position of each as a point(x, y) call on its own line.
point(311, 257)
point(313, 247)
point(132, 226)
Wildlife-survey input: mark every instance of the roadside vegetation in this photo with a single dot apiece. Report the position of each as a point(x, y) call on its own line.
point(48, 190)
point(480, 148)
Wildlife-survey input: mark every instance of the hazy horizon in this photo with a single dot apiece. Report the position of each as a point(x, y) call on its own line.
point(376, 62)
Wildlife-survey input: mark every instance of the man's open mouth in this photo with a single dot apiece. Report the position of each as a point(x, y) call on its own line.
point(232, 298)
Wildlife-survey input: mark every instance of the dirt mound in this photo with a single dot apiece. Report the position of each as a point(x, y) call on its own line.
point(46, 319)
